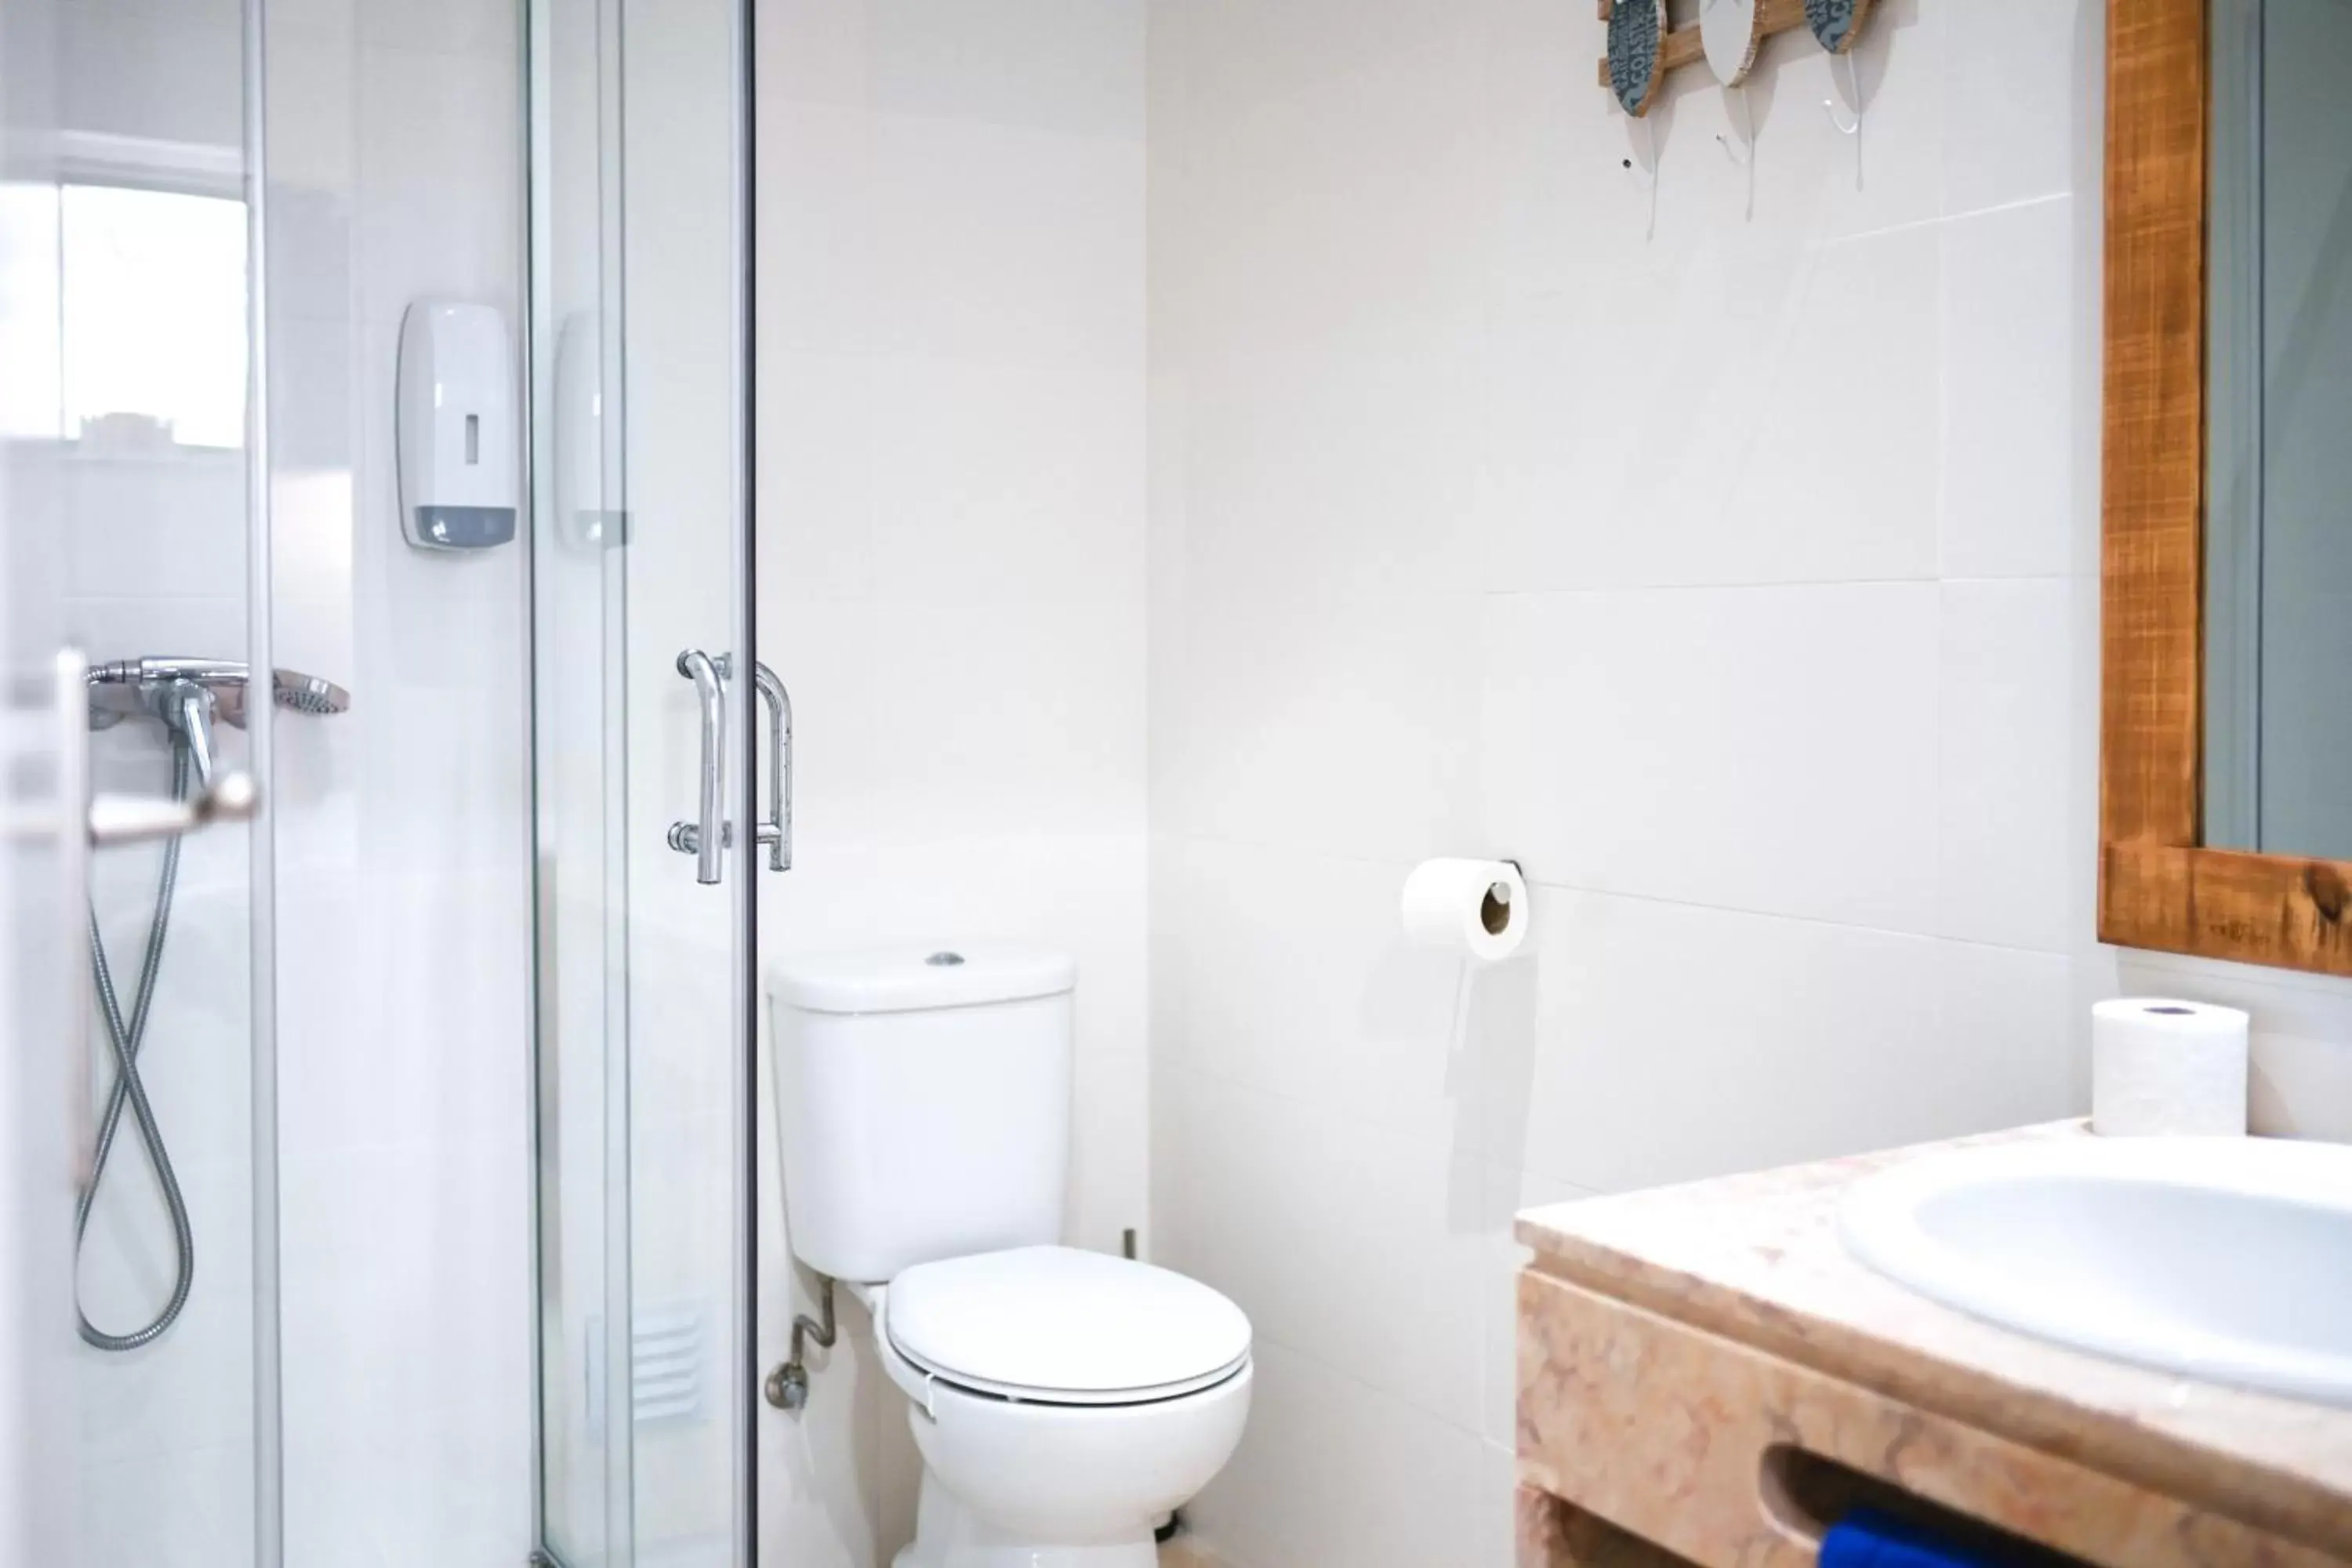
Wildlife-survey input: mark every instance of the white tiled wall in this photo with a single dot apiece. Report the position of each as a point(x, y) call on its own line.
point(951, 576)
point(1738, 578)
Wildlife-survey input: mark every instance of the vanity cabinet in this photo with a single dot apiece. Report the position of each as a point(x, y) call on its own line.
point(1705, 1376)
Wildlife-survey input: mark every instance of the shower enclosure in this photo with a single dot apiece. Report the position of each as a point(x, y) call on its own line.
point(376, 938)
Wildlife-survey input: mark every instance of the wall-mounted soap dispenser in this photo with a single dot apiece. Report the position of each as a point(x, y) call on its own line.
point(457, 427)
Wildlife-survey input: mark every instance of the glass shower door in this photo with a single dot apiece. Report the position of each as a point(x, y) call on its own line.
point(647, 742)
point(42, 859)
point(134, 1320)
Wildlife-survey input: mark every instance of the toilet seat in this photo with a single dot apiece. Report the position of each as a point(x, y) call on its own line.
point(1055, 1325)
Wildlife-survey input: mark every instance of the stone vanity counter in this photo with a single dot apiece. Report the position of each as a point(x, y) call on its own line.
point(1705, 1375)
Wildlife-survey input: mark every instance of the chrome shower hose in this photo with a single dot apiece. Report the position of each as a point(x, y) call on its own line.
point(130, 1089)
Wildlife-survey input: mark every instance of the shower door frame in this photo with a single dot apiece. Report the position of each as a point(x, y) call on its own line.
point(621, 654)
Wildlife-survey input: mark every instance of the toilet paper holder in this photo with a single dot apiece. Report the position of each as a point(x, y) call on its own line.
point(1495, 914)
point(1476, 908)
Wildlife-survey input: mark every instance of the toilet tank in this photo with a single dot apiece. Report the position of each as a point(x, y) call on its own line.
point(923, 1103)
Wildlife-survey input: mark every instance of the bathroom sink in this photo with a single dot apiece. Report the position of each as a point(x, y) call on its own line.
point(2228, 1259)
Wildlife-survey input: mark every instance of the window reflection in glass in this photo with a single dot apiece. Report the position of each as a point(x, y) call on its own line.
point(153, 318)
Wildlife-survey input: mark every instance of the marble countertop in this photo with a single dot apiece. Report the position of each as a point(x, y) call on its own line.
point(1756, 1259)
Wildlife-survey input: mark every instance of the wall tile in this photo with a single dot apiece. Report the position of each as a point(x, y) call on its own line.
point(813, 51)
point(1334, 209)
point(1760, 419)
point(1345, 727)
point(1330, 1472)
point(815, 217)
point(1757, 749)
point(1004, 720)
point(1006, 483)
point(1298, 982)
point(2013, 385)
point(1111, 1133)
point(2006, 856)
point(817, 464)
point(1309, 1214)
point(1334, 474)
point(1812, 1040)
point(442, 27)
point(1006, 244)
point(2013, 105)
point(1069, 66)
point(171, 77)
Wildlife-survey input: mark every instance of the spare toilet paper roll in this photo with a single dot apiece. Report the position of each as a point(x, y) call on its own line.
point(1476, 908)
point(2163, 1068)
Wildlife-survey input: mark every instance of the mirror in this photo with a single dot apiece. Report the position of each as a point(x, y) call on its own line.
point(2278, 516)
point(2225, 805)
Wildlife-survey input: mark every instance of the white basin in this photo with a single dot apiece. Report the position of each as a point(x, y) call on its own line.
point(2223, 1258)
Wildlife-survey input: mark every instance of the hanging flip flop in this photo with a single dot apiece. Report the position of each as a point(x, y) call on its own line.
point(1836, 23)
point(1637, 56)
point(1731, 32)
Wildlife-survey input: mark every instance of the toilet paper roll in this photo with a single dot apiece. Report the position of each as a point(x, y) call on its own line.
point(1476, 908)
point(2163, 1068)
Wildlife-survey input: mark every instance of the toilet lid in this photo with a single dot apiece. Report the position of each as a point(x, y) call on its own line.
point(1056, 1325)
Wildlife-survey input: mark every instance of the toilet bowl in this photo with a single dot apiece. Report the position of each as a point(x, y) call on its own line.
point(1064, 1401)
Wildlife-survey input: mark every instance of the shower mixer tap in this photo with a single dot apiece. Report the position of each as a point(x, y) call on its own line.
point(125, 686)
point(185, 695)
point(188, 694)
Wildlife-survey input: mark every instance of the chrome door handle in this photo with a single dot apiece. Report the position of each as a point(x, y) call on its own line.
point(776, 833)
point(706, 837)
point(134, 819)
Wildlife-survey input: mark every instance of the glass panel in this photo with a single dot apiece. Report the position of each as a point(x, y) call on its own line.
point(579, 653)
point(640, 576)
point(157, 352)
point(42, 1009)
point(2279, 534)
point(403, 946)
point(153, 512)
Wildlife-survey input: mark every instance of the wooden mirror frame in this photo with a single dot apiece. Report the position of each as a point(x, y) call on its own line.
point(2159, 885)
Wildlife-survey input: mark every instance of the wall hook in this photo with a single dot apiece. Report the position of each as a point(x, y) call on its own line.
point(1848, 124)
point(1745, 153)
point(1645, 170)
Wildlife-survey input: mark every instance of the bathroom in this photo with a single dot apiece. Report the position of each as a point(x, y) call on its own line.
point(1147, 474)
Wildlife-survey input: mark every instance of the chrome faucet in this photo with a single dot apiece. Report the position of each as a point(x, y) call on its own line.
point(188, 694)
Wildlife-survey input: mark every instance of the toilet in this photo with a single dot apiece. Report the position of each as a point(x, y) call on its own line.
point(1064, 1401)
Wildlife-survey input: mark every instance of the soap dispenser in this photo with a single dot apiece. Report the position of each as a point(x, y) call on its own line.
point(456, 432)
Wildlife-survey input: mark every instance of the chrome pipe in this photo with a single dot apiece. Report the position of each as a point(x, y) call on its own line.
point(787, 1387)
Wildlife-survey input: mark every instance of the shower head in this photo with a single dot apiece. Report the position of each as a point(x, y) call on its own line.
point(299, 693)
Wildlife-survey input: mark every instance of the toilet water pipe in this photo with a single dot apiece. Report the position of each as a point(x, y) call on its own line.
point(788, 1386)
